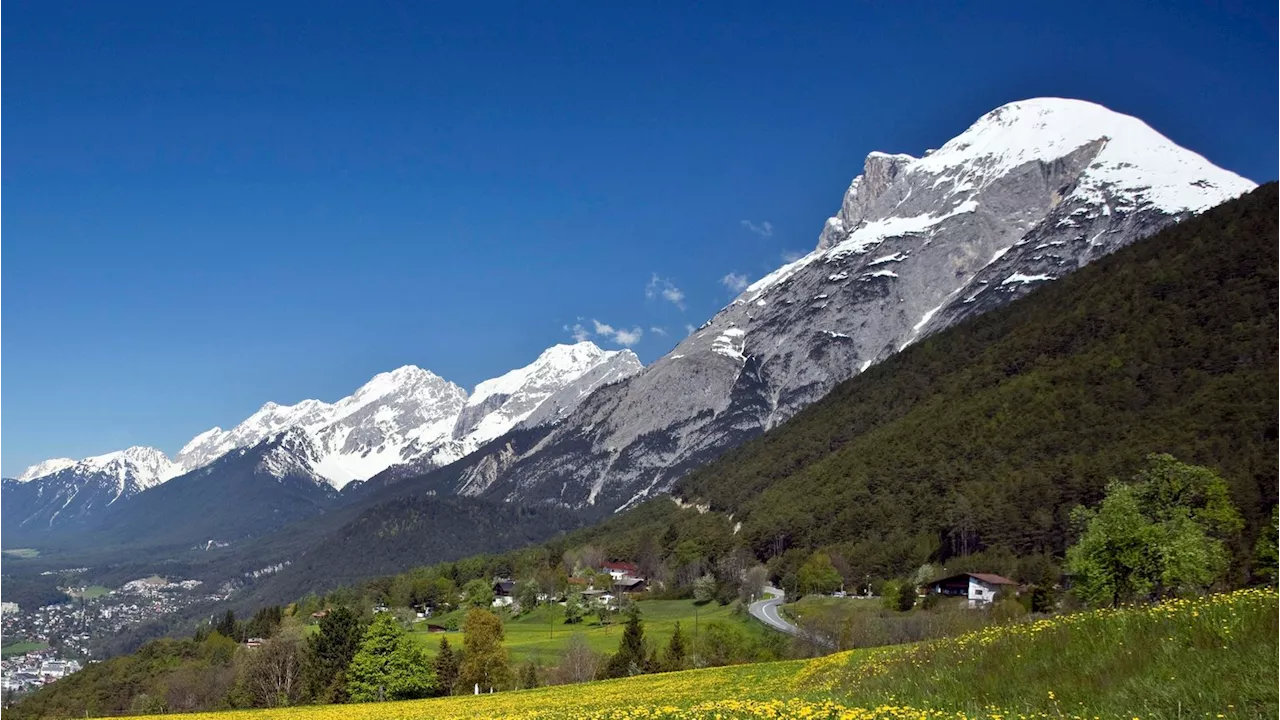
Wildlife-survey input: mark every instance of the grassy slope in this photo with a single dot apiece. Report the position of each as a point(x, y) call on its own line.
point(529, 637)
point(1206, 658)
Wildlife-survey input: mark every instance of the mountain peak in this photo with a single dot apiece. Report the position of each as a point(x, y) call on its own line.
point(47, 467)
point(1029, 192)
point(1133, 160)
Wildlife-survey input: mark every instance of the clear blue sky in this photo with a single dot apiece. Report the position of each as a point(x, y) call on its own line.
point(208, 205)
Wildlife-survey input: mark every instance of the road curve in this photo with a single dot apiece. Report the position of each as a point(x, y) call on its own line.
point(766, 611)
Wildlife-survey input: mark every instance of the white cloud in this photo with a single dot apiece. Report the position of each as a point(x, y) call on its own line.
point(605, 332)
point(579, 333)
point(736, 282)
point(627, 338)
point(688, 329)
point(660, 331)
point(662, 287)
point(764, 229)
point(792, 255)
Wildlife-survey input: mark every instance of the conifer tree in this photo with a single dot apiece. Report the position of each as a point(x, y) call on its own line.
point(630, 658)
point(674, 658)
point(446, 666)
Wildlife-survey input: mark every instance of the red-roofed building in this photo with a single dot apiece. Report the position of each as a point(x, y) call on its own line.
point(621, 570)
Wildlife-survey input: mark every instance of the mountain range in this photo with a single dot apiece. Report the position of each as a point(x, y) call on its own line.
point(314, 447)
point(1029, 193)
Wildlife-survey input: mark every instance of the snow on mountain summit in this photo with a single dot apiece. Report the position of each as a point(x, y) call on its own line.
point(396, 417)
point(500, 404)
point(1134, 161)
point(46, 467)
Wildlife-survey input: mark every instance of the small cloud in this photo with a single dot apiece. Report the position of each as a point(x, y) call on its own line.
point(606, 332)
point(579, 333)
point(688, 329)
point(662, 287)
point(764, 229)
point(627, 338)
point(659, 331)
point(736, 282)
point(792, 255)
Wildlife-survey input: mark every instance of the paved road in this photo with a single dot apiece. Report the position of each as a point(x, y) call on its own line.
point(766, 611)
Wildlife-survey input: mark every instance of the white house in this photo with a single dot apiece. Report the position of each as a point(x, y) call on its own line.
point(503, 592)
point(979, 588)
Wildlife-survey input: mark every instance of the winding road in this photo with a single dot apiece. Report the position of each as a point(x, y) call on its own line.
point(766, 611)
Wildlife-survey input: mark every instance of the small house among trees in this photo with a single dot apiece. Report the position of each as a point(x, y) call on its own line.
point(620, 570)
point(503, 592)
point(979, 588)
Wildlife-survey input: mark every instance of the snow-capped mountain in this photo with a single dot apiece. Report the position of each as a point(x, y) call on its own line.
point(46, 467)
point(406, 415)
point(72, 492)
point(247, 491)
point(356, 436)
point(411, 414)
point(1030, 192)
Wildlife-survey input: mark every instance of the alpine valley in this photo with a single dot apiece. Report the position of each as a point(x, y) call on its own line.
point(1029, 193)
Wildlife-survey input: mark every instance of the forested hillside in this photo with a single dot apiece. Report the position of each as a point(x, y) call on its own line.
point(986, 435)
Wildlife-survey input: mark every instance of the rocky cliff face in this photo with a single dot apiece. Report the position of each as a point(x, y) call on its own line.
point(1029, 193)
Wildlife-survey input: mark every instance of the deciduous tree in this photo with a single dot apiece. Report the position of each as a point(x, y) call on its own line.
point(485, 660)
point(388, 665)
point(1166, 533)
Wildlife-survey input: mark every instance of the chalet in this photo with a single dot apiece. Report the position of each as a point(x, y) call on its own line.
point(600, 596)
point(504, 592)
point(630, 585)
point(979, 588)
point(620, 570)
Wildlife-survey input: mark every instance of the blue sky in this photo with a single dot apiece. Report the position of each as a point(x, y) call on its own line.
point(211, 205)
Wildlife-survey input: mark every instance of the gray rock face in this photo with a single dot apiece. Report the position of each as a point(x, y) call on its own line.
point(1029, 193)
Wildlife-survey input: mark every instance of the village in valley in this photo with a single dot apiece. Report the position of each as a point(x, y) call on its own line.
point(45, 644)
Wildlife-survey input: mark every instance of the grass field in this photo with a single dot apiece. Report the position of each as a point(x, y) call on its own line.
point(91, 592)
point(811, 604)
point(27, 553)
point(541, 635)
point(1214, 657)
point(21, 648)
